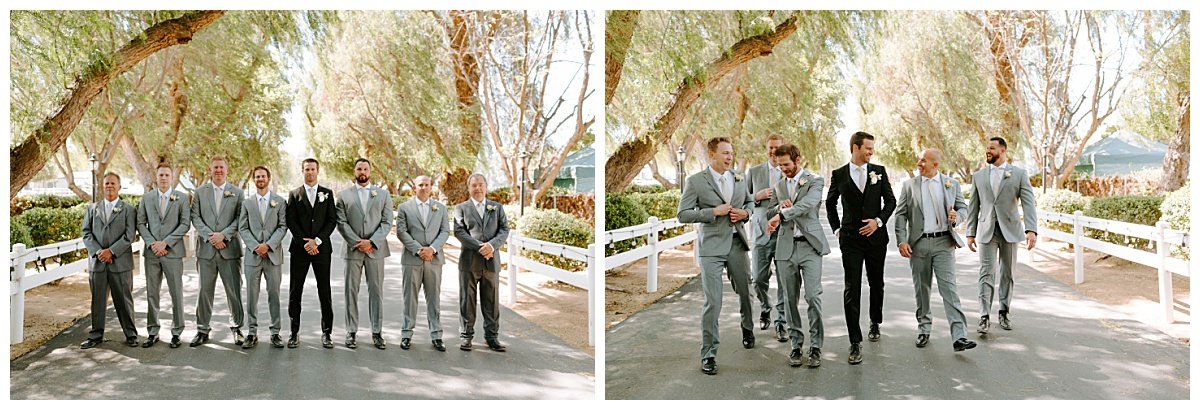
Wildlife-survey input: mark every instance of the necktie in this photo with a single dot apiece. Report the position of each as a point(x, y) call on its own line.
point(424, 208)
point(362, 198)
point(933, 203)
point(791, 188)
point(996, 179)
point(725, 190)
point(220, 193)
point(162, 205)
point(312, 196)
point(262, 208)
point(479, 208)
point(107, 211)
point(862, 179)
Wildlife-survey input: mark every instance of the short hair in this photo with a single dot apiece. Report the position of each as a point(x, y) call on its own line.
point(789, 150)
point(715, 141)
point(476, 175)
point(312, 160)
point(216, 158)
point(422, 176)
point(258, 168)
point(112, 174)
point(774, 137)
point(362, 160)
point(162, 165)
point(1001, 141)
point(856, 140)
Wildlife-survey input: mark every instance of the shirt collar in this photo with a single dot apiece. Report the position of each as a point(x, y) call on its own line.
point(478, 204)
point(935, 177)
point(420, 202)
point(857, 167)
point(310, 188)
point(220, 187)
point(167, 193)
point(717, 176)
point(112, 203)
point(267, 196)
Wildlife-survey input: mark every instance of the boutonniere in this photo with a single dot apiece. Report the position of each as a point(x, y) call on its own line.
point(948, 184)
point(433, 207)
point(374, 193)
point(737, 177)
point(117, 208)
point(228, 194)
point(320, 197)
point(174, 197)
point(801, 182)
point(273, 203)
point(491, 208)
point(1007, 173)
point(874, 177)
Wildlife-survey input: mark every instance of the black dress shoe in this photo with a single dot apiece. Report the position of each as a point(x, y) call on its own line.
point(922, 340)
point(276, 341)
point(132, 341)
point(465, 345)
point(1004, 322)
point(873, 334)
point(238, 337)
point(326, 341)
point(405, 343)
point(796, 358)
point(963, 344)
point(293, 341)
point(150, 341)
point(495, 345)
point(983, 325)
point(250, 342)
point(747, 339)
point(708, 366)
point(350, 341)
point(814, 357)
point(378, 340)
point(855, 353)
point(175, 342)
point(90, 343)
point(199, 339)
point(764, 320)
point(781, 333)
point(437, 344)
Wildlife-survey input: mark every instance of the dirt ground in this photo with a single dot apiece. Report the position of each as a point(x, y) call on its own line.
point(1123, 285)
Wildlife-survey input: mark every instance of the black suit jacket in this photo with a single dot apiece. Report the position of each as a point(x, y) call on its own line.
point(877, 202)
point(311, 221)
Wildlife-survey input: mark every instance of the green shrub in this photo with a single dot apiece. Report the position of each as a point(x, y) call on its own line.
point(664, 206)
point(50, 225)
point(131, 199)
point(503, 195)
point(1175, 208)
point(398, 199)
point(1135, 209)
point(645, 189)
point(557, 227)
point(621, 211)
point(18, 233)
point(23, 203)
point(966, 191)
point(555, 190)
point(1061, 201)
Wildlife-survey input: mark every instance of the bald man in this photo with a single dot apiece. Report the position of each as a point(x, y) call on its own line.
point(423, 228)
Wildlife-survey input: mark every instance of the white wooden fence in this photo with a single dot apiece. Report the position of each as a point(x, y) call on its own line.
point(585, 279)
point(650, 250)
point(1162, 238)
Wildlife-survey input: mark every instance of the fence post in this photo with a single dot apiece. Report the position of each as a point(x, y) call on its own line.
point(513, 250)
point(591, 272)
point(652, 261)
point(16, 305)
point(1077, 223)
point(1166, 295)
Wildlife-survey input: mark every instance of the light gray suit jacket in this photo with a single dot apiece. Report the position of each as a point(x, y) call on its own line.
point(253, 230)
point(803, 215)
point(416, 233)
point(206, 220)
point(760, 177)
point(700, 196)
point(910, 214)
point(170, 229)
point(117, 234)
point(987, 207)
point(374, 225)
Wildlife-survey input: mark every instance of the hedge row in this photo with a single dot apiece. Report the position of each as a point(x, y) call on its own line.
point(635, 208)
point(553, 226)
point(1137, 209)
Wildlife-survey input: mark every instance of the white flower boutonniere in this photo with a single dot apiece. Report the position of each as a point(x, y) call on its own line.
point(1007, 173)
point(174, 197)
point(874, 177)
point(433, 207)
point(228, 194)
point(374, 193)
point(948, 184)
point(801, 182)
point(117, 208)
point(274, 203)
point(320, 197)
point(491, 208)
point(737, 177)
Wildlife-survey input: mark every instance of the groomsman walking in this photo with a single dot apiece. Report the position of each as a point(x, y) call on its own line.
point(262, 226)
point(867, 203)
point(215, 213)
point(164, 217)
point(109, 227)
point(422, 226)
point(481, 226)
point(311, 217)
point(719, 200)
point(364, 220)
point(929, 208)
point(763, 178)
point(997, 191)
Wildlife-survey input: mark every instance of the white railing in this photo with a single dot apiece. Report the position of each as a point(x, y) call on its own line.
point(650, 250)
point(585, 279)
point(1162, 238)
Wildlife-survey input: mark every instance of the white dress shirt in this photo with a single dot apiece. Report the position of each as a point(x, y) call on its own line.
point(933, 205)
point(859, 175)
point(724, 183)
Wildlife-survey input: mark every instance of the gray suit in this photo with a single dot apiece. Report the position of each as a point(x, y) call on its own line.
point(117, 234)
point(764, 243)
point(416, 232)
point(476, 274)
point(254, 230)
point(212, 262)
point(800, 260)
point(722, 244)
point(992, 219)
point(170, 226)
point(932, 256)
point(374, 225)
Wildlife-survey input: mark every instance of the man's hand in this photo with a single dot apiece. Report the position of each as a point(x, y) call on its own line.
point(1031, 239)
point(869, 228)
point(738, 215)
point(159, 248)
point(216, 238)
point(310, 246)
point(262, 249)
point(364, 246)
point(773, 224)
point(971, 243)
point(905, 250)
point(105, 256)
point(426, 253)
point(763, 194)
point(486, 250)
point(952, 217)
point(785, 204)
point(722, 210)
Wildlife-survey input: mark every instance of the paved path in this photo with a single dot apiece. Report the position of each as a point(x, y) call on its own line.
point(537, 364)
point(1062, 346)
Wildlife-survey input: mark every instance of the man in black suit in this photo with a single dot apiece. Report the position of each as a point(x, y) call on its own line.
point(311, 217)
point(867, 203)
point(481, 226)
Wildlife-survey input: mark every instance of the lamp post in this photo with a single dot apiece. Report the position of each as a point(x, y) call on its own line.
point(1045, 163)
point(680, 156)
point(95, 163)
point(524, 165)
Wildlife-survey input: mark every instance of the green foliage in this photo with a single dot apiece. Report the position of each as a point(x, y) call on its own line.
point(51, 225)
point(398, 199)
point(1176, 208)
point(621, 211)
point(555, 190)
point(648, 189)
point(22, 203)
point(664, 206)
point(1136, 209)
point(18, 232)
point(1061, 201)
point(1153, 110)
point(502, 195)
point(557, 227)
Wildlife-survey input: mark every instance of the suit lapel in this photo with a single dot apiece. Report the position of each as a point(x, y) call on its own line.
point(713, 183)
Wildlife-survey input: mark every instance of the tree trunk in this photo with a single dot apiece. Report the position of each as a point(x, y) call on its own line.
point(658, 176)
point(466, 85)
point(1175, 164)
point(624, 164)
point(64, 165)
point(618, 35)
point(32, 154)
